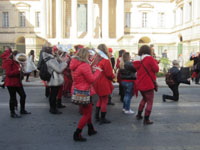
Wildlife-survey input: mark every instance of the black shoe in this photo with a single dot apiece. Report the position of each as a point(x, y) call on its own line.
point(111, 103)
point(61, 106)
point(163, 98)
point(139, 117)
point(78, 137)
point(3, 86)
point(24, 112)
point(14, 115)
point(104, 121)
point(97, 114)
point(56, 112)
point(147, 121)
point(91, 130)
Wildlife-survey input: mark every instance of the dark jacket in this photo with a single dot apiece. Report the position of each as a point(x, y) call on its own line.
point(128, 73)
point(177, 76)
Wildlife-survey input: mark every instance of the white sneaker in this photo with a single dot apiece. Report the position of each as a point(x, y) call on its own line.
point(123, 110)
point(129, 112)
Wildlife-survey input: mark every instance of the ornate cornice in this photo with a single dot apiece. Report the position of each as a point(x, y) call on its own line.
point(145, 5)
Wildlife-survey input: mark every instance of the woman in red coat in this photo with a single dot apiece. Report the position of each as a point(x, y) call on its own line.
point(103, 86)
point(83, 78)
point(144, 83)
point(14, 85)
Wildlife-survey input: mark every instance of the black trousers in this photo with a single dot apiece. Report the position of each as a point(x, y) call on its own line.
point(13, 99)
point(53, 96)
point(175, 91)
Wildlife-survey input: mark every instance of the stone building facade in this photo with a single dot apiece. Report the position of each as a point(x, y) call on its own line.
point(168, 24)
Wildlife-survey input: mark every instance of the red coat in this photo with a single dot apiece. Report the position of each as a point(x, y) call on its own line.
point(4, 56)
point(12, 69)
point(103, 86)
point(143, 81)
point(82, 75)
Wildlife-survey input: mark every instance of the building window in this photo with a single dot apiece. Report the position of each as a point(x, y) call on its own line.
point(37, 19)
point(22, 19)
point(82, 18)
point(5, 20)
point(181, 15)
point(190, 11)
point(161, 19)
point(174, 17)
point(128, 19)
point(144, 19)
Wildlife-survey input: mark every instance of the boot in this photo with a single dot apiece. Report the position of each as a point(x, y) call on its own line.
point(97, 114)
point(109, 100)
point(14, 115)
point(78, 137)
point(139, 115)
point(59, 104)
point(55, 111)
point(147, 121)
point(23, 111)
point(163, 98)
point(103, 119)
point(91, 130)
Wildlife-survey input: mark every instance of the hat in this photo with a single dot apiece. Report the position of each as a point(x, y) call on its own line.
point(110, 50)
point(175, 63)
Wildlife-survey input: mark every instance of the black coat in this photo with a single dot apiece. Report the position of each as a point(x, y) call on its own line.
point(177, 77)
point(129, 72)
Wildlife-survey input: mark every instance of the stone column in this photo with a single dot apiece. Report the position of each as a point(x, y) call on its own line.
point(43, 18)
point(50, 19)
point(73, 19)
point(59, 19)
point(105, 21)
point(119, 18)
point(47, 18)
point(90, 19)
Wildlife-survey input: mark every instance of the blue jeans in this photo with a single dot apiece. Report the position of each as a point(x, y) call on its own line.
point(128, 90)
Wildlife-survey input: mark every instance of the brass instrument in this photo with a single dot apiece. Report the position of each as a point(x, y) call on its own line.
point(21, 58)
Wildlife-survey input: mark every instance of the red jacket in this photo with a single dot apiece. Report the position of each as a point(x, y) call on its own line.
point(12, 69)
point(103, 86)
point(82, 75)
point(4, 56)
point(143, 81)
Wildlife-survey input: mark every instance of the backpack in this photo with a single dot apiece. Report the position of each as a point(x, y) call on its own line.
point(169, 79)
point(44, 74)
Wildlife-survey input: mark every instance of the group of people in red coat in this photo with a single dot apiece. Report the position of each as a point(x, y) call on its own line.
point(88, 75)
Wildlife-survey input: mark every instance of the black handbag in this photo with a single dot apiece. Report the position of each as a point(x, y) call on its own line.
point(154, 82)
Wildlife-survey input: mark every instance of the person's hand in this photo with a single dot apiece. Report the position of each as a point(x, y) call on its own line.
point(97, 68)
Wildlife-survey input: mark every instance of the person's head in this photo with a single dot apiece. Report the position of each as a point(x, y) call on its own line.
point(145, 49)
point(48, 50)
point(104, 49)
point(175, 63)
point(13, 55)
point(121, 52)
point(31, 52)
point(125, 58)
point(83, 54)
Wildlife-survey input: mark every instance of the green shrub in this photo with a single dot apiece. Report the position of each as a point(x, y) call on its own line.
point(160, 74)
